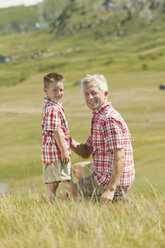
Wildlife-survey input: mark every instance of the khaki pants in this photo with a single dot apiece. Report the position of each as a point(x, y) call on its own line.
point(89, 188)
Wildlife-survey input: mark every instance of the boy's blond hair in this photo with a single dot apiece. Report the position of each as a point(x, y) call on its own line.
point(51, 78)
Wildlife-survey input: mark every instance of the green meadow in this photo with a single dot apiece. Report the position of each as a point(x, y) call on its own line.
point(134, 68)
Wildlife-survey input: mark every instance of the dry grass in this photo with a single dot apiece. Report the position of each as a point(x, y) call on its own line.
point(28, 221)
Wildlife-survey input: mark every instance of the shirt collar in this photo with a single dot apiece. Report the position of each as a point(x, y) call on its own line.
point(102, 108)
point(46, 99)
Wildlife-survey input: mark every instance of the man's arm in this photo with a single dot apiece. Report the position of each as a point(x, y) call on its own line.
point(119, 161)
point(64, 154)
point(81, 149)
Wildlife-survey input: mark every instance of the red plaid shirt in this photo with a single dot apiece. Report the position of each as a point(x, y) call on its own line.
point(53, 119)
point(109, 131)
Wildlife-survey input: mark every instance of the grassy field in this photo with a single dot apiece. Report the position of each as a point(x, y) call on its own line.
point(27, 221)
point(134, 68)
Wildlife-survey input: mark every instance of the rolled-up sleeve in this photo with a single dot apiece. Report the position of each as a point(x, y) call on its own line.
point(89, 141)
point(113, 134)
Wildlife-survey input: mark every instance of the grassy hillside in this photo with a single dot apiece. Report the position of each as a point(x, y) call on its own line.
point(102, 17)
point(133, 63)
point(133, 66)
point(18, 19)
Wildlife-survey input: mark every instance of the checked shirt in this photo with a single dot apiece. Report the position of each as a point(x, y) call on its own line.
point(109, 131)
point(53, 119)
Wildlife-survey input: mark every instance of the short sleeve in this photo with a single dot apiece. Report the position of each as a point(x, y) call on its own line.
point(53, 120)
point(113, 133)
point(89, 141)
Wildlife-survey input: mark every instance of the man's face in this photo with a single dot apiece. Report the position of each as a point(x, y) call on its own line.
point(55, 91)
point(94, 97)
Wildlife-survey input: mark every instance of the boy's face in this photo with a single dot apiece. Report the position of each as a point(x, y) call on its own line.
point(94, 97)
point(55, 91)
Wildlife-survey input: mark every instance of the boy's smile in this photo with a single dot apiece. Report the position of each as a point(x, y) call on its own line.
point(55, 91)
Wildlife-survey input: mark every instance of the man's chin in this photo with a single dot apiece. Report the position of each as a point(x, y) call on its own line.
point(93, 108)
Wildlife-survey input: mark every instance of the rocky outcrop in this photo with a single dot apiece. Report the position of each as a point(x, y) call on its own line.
point(104, 13)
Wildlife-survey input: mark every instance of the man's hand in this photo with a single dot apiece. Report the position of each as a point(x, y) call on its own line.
point(81, 149)
point(107, 196)
point(118, 165)
point(65, 158)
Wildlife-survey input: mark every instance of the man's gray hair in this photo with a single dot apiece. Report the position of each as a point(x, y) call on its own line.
point(99, 79)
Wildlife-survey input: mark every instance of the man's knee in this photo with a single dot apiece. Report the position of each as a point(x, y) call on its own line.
point(77, 170)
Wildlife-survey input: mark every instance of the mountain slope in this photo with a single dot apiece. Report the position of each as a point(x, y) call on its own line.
point(69, 16)
point(109, 17)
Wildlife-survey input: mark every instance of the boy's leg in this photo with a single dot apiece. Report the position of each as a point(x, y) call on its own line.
point(65, 175)
point(51, 180)
point(51, 191)
point(82, 169)
point(71, 188)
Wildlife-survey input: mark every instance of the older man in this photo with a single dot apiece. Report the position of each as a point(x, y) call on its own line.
point(112, 172)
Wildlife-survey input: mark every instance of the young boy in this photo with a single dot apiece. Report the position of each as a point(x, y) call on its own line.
point(55, 146)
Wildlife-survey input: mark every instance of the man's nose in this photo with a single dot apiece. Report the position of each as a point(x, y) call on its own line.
point(90, 96)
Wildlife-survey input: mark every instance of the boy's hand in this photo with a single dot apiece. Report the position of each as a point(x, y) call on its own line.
point(65, 158)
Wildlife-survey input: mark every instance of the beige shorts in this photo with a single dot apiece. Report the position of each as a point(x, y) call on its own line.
point(57, 172)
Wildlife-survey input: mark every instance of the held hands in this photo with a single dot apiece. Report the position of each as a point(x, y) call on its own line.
point(107, 196)
point(65, 158)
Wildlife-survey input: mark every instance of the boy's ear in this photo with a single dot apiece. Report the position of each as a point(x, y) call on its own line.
point(106, 93)
point(45, 90)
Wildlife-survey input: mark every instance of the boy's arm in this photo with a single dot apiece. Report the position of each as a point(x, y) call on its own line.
point(64, 154)
point(81, 149)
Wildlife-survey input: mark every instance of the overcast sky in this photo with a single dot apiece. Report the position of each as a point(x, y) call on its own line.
point(9, 3)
